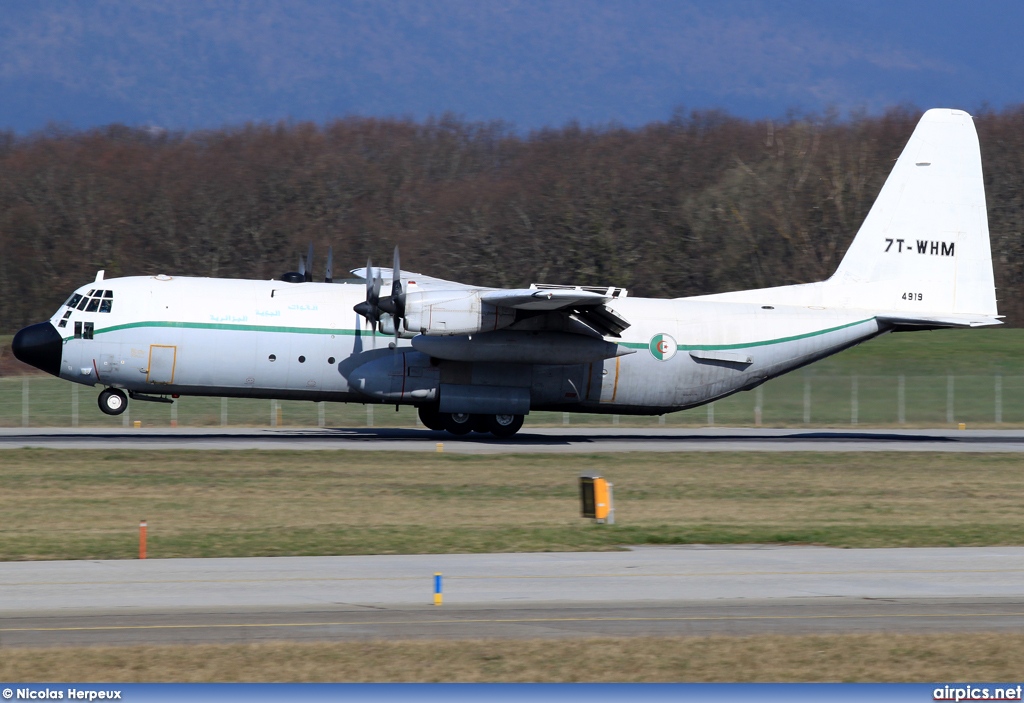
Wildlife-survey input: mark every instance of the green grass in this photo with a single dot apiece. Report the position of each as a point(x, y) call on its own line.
point(879, 657)
point(87, 504)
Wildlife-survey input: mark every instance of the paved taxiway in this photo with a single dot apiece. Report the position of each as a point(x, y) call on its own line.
point(644, 591)
point(530, 440)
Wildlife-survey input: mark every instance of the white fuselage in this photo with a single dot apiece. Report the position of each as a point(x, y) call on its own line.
point(246, 338)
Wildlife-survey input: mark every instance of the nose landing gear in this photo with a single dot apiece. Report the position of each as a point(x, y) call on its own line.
point(113, 401)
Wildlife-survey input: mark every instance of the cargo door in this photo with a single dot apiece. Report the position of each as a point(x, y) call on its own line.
point(162, 359)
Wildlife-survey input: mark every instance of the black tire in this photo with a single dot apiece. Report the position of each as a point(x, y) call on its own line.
point(430, 417)
point(504, 425)
point(458, 423)
point(481, 424)
point(112, 401)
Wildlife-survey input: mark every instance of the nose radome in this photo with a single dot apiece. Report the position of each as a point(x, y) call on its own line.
point(40, 346)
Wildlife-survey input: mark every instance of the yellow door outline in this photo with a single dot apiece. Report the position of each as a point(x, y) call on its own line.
point(174, 362)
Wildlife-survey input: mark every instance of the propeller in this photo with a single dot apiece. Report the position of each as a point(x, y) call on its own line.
point(329, 272)
point(307, 268)
point(370, 308)
point(394, 304)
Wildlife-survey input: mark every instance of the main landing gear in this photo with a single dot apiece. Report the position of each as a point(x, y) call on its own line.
point(113, 401)
point(464, 423)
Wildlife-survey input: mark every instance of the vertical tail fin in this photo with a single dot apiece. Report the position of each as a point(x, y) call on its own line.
point(924, 246)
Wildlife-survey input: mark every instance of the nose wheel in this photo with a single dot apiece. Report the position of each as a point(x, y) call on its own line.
point(113, 401)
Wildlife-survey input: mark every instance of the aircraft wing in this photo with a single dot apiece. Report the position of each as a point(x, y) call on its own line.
point(586, 306)
point(410, 276)
point(533, 299)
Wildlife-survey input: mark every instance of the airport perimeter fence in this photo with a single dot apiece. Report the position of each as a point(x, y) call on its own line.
point(789, 401)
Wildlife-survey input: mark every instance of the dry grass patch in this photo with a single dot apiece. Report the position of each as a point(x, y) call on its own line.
point(873, 657)
point(87, 504)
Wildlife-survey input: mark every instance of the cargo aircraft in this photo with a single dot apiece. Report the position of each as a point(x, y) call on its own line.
point(473, 358)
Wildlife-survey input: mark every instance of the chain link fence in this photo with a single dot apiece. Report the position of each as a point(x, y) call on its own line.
point(794, 400)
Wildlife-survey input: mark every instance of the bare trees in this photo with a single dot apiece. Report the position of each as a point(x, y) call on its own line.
point(701, 203)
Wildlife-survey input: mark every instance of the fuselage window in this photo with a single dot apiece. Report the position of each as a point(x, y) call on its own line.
point(78, 329)
point(67, 314)
point(87, 330)
point(83, 303)
point(62, 323)
point(106, 304)
point(94, 305)
point(73, 301)
point(108, 294)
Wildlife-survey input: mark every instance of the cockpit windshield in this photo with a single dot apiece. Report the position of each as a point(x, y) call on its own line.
point(93, 301)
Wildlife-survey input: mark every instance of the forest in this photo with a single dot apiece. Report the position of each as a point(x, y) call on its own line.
point(703, 202)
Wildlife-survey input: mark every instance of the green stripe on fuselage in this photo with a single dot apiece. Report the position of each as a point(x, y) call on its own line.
point(237, 328)
point(747, 345)
point(352, 333)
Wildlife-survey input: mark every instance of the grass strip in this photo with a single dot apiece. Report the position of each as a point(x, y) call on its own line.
point(878, 657)
point(87, 504)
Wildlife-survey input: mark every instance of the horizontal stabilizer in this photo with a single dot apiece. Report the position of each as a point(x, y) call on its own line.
point(936, 321)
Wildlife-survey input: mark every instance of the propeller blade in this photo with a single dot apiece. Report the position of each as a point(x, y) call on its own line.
point(397, 294)
point(302, 265)
point(378, 283)
point(309, 264)
point(329, 273)
point(370, 308)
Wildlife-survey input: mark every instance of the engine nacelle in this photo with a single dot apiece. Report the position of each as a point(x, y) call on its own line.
point(453, 312)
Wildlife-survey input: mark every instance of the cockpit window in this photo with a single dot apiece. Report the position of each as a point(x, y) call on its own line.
point(93, 301)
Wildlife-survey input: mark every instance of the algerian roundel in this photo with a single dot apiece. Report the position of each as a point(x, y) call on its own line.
point(663, 347)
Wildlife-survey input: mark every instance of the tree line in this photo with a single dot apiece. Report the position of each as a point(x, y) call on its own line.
point(704, 202)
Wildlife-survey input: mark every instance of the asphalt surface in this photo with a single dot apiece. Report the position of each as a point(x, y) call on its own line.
point(540, 440)
point(644, 591)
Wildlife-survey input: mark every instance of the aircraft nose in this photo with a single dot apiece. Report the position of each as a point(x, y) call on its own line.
point(40, 346)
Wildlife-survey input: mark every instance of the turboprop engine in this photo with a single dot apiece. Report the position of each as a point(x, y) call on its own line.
point(408, 312)
point(453, 312)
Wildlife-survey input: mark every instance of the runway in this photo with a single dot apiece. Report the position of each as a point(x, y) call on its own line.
point(644, 591)
point(530, 440)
